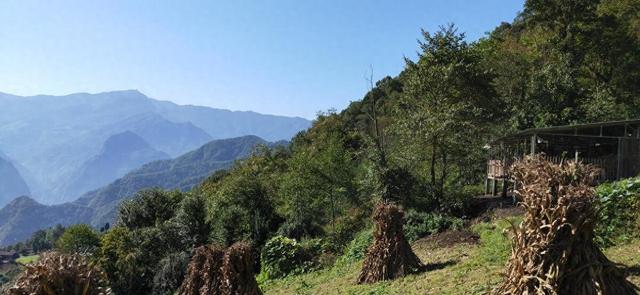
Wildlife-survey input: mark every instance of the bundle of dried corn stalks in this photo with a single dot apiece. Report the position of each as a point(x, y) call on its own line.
point(553, 249)
point(61, 274)
point(204, 272)
point(390, 256)
point(214, 270)
point(237, 271)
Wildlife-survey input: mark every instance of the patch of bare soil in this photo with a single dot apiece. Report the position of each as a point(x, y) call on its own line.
point(450, 238)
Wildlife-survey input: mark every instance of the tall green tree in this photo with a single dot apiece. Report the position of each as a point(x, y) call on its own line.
point(193, 220)
point(148, 208)
point(320, 182)
point(80, 238)
point(446, 113)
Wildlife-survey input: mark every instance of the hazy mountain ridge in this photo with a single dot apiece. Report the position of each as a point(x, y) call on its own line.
point(172, 138)
point(180, 173)
point(120, 154)
point(12, 184)
point(20, 217)
point(51, 137)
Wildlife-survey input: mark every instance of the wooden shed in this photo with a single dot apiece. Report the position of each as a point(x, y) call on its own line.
point(612, 146)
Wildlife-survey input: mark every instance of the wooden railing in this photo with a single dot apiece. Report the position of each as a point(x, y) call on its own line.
point(496, 169)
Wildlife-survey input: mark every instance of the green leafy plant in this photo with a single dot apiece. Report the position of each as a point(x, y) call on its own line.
point(420, 224)
point(357, 248)
point(618, 218)
point(282, 256)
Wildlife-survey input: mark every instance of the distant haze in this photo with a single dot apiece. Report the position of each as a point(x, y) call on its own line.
point(23, 216)
point(64, 146)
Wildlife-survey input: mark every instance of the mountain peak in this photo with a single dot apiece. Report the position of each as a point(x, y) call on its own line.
point(126, 140)
point(22, 201)
point(126, 92)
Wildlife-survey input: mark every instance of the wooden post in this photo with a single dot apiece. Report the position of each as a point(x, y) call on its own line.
point(533, 144)
point(493, 187)
point(486, 185)
point(600, 130)
point(505, 185)
point(619, 156)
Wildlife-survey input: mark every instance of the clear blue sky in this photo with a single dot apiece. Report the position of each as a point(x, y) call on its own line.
point(290, 57)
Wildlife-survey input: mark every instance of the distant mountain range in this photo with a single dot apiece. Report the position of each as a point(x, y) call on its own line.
point(23, 216)
point(56, 143)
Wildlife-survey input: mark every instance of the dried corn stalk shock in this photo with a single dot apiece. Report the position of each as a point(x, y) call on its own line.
point(61, 274)
point(215, 270)
point(553, 251)
point(204, 272)
point(390, 256)
point(237, 271)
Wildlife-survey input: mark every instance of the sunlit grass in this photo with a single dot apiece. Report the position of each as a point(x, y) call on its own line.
point(461, 269)
point(24, 260)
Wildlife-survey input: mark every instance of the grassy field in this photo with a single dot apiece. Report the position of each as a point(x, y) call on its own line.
point(24, 260)
point(459, 269)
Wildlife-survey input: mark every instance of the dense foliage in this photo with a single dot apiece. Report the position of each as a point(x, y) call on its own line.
point(79, 238)
point(357, 248)
point(619, 203)
point(282, 256)
point(420, 224)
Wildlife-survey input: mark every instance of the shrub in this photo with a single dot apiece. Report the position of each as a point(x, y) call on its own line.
point(420, 224)
point(170, 273)
point(317, 253)
point(58, 273)
point(79, 238)
point(357, 248)
point(618, 218)
point(282, 256)
point(148, 208)
point(299, 227)
point(345, 228)
point(457, 200)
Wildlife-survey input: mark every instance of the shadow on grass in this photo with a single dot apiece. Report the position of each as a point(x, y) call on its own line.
point(439, 265)
point(634, 270)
